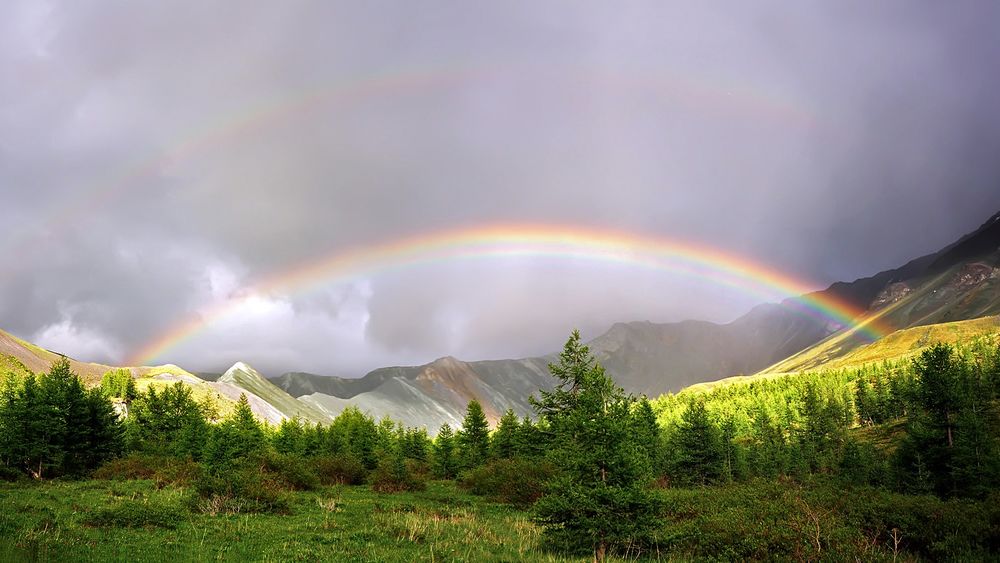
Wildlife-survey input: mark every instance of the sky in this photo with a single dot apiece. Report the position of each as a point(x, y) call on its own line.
point(158, 159)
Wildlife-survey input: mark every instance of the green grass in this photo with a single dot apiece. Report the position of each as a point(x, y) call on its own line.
point(136, 521)
point(131, 520)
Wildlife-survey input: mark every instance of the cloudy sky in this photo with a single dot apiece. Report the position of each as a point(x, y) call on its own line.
point(157, 159)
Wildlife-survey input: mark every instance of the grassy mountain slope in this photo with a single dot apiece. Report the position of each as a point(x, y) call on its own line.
point(18, 355)
point(900, 345)
point(276, 402)
point(18, 358)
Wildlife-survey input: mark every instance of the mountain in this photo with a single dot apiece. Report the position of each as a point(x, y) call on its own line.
point(272, 402)
point(427, 395)
point(958, 282)
point(19, 358)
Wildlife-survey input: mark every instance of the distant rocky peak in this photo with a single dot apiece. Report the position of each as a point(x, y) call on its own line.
point(240, 367)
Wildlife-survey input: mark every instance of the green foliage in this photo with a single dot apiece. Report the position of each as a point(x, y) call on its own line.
point(414, 444)
point(51, 425)
point(951, 443)
point(445, 461)
point(243, 488)
point(145, 513)
point(474, 436)
point(354, 433)
point(292, 438)
point(698, 453)
point(793, 467)
point(600, 497)
point(118, 383)
point(162, 469)
point(169, 422)
point(341, 469)
point(236, 438)
point(393, 474)
point(648, 434)
point(503, 442)
point(531, 440)
point(515, 481)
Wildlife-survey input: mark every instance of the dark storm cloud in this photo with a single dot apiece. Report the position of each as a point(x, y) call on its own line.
point(156, 158)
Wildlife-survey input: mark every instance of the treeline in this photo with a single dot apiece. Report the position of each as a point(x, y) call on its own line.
point(52, 426)
point(925, 425)
point(586, 463)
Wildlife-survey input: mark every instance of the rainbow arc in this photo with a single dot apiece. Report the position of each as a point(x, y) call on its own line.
point(498, 242)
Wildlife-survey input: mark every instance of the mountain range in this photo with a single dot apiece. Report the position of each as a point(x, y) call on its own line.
point(957, 283)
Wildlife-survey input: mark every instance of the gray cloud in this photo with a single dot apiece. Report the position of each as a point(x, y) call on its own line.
point(155, 158)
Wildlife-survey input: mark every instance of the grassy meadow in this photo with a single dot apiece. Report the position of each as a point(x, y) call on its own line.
point(139, 520)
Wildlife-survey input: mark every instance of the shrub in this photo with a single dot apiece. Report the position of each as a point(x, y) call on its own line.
point(147, 513)
point(161, 469)
point(393, 475)
point(291, 471)
point(339, 470)
point(10, 474)
point(244, 489)
point(514, 481)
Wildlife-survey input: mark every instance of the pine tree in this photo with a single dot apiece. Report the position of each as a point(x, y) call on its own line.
point(474, 437)
point(600, 497)
point(445, 462)
point(503, 443)
point(733, 457)
point(51, 425)
point(927, 453)
point(235, 439)
point(647, 433)
point(415, 444)
point(529, 440)
point(864, 401)
point(699, 456)
point(290, 437)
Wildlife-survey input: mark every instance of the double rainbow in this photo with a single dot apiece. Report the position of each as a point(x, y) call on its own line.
point(540, 241)
point(264, 114)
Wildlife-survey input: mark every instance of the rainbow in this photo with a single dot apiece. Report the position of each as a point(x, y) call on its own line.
point(253, 119)
point(545, 241)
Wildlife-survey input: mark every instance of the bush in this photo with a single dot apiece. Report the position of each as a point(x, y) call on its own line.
point(10, 474)
point(339, 470)
point(291, 471)
point(147, 513)
point(514, 481)
point(244, 489)
point(163, 470)
point(394, 474)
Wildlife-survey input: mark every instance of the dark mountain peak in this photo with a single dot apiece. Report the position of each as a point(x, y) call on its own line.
point(980, 244)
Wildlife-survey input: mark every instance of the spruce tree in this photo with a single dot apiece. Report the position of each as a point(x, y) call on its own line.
point(647, 433)
point(235, 439)
point(474, 437)
point(503, 443)
point(699, 456)
point(600, 497)
point(445, 463)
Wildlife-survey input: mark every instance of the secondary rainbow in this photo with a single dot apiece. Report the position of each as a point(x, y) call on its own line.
point(542, 241)
point(247, 121)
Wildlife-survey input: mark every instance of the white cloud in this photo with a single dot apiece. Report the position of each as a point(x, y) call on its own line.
point(67, 339)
